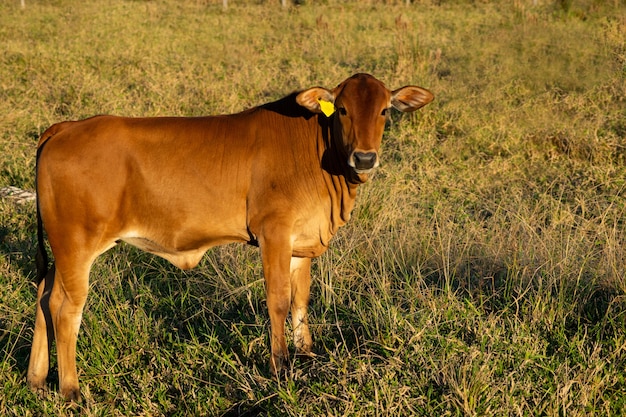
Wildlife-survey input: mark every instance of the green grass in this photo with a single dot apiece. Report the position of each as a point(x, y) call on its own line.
point(483, 272)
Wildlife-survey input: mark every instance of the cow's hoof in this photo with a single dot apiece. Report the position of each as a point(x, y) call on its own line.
point(39, 388)
point(71, 395)
point(278, 366)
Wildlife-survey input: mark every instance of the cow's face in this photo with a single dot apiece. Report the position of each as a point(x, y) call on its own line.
point(361, 105)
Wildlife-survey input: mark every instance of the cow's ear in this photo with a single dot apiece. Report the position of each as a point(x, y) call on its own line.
point(410, 98)
point(312, 99)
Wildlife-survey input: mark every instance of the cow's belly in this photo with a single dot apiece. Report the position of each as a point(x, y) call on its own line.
point(183, 259)
point(185, 254)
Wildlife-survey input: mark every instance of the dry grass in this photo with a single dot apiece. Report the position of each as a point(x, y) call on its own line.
point(483, 271)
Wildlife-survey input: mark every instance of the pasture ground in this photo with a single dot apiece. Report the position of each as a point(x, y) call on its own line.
point(483, 272)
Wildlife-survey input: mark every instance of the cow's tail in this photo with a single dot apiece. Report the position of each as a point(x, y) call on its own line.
point(41, 258)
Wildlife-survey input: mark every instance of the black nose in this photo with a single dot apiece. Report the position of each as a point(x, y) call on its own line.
point(364, 160)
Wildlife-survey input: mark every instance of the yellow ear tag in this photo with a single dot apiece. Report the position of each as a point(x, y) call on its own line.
point(327, 107)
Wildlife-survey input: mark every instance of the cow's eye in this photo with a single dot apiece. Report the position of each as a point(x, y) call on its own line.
point(342, 111)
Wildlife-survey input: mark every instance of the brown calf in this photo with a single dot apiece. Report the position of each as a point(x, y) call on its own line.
point(282, 176)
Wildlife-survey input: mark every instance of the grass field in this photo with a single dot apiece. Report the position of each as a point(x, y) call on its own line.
point(483, 271)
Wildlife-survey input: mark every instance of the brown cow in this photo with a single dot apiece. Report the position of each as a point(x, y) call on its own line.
point(282, 176)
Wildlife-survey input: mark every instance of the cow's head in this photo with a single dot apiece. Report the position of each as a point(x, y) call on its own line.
point(362, 104)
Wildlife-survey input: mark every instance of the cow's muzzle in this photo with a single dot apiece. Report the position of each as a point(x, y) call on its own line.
point(363, 162)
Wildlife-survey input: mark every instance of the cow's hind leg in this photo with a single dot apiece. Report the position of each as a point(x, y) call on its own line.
point(67, 299)
point(43, 336)
point(300, 289)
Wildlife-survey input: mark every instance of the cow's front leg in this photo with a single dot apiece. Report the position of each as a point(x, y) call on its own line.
point(300, 289)
point(276, 256)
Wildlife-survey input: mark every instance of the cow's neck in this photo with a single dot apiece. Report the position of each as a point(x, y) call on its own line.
point(341, 180)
